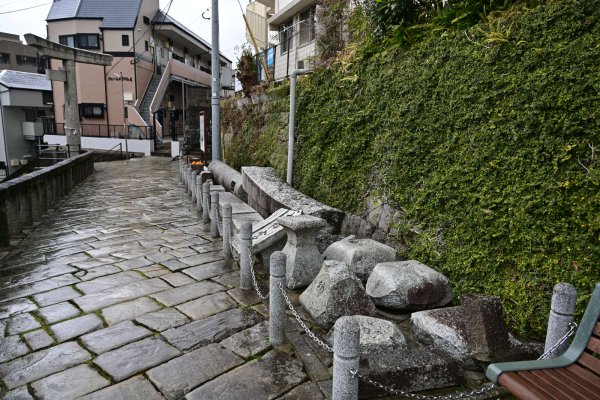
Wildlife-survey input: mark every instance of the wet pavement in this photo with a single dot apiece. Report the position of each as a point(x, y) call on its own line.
point(122, 293)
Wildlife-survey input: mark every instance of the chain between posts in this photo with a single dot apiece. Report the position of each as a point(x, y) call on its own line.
point(302, 324)
point(476, 392)
point(258, 292)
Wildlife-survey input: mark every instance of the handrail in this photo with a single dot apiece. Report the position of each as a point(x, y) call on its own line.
point(106, 153)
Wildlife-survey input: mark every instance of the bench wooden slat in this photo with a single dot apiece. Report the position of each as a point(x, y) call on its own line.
point(551, 390)
point(521, 388)
point(591, 363)
point(588, 389)
point(596, 330)
point(584, 374)
point(594, 344)
point(557, 382)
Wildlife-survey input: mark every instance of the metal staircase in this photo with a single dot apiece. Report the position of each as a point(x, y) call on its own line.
point(145, 106)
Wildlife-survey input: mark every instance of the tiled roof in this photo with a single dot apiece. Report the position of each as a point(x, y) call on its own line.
point(114, 13)
point(24, 80)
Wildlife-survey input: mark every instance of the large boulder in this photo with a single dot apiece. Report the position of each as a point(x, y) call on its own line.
point(335, 292)
point(408, 285)
point(377, 336)
point(442, 329)
point(361, 255)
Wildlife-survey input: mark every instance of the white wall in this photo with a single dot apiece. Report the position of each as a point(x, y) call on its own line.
point(95, 143)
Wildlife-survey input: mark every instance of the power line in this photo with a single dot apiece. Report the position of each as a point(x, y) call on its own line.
point(23, 9)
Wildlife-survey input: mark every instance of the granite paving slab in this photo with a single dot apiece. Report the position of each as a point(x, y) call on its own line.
point(56, 296)
point(134, 388)
point(163, 319)
point(12, 347)
point(21, 323)
point(210, 270)
point(134, 263)
point(159, 257)
point(182, 374)
point(114, 336)
point(308, 391)
point(72, 328)
point(136, 357)
point(57, 312)
point(274, 374)
point(14, 307)
point(177, 279)
point(211, 329)
point(69, 384)
point(129, 310)
point(182, 294)
point(249, 342)
point(38, 339)
point(19, 393)
point(106, 282)
point(230, 280)
point(97, 272)
point(42, 363)
point(119, 294)
point(154, 270)
point(33, 274)
point(203, 258)
point(174, 265)
point(207, 305)
point(248, 297)
point(40, 286)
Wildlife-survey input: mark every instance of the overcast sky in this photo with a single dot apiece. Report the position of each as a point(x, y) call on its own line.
point(188, 12)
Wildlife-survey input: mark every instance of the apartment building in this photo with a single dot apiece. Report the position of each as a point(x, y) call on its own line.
point(16, 56)
point(157, 63)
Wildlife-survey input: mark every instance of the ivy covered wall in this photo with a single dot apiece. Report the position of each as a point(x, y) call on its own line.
point(487, 139)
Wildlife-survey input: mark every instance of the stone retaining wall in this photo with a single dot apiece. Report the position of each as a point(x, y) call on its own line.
point(23, 200)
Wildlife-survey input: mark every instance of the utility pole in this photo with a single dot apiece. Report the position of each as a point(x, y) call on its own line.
point(125, 130)
point(216, 84)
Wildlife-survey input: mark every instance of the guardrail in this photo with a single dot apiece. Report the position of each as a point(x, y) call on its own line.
point(108, 131)
point(23, 200)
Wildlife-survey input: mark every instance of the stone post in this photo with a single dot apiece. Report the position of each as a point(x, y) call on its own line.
point(181, 165)
point(43, 194)
point(227, 231)
point(345, 357)
point(193, 185)
point(206, 202)
point(277, 317)
point(245, 256)
point(198, 194)
point(13, 214)
point(188, 181)
point(214, 214)
point(303, 258)
point(562, 310)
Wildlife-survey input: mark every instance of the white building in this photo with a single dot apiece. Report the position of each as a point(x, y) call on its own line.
point(25, 106)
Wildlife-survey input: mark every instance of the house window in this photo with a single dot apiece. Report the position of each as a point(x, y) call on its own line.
point(27, 60)
point(4, 58)
point(307, 26)
point(88, 41)
point(125, 40)
point(162, 52)
point(67, 40)
point(146, 45)
point(286, 35)
point(91, 110)
point(146, 20)
point(47, 97)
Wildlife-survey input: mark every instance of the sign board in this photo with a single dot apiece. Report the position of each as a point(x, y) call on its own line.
point(270, 56)
point(201, 125)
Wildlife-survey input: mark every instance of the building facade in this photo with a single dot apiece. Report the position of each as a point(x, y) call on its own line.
point(156, 62)
point(16, 56)
point(25, 110)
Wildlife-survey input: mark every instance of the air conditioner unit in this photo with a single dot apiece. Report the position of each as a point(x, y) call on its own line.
point(32, 129)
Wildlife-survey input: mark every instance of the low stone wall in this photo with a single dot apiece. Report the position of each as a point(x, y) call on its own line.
point(268, 193)
point(23, 200)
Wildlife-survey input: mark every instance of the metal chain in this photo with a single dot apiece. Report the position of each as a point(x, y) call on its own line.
point(302, 324)
point(476, 392)
point(572, 328)
point(258, 292)
point(463, 395)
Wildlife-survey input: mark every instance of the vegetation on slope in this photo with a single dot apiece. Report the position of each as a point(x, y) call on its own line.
point(487, 137)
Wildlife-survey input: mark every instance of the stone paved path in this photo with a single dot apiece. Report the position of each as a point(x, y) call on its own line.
point(121, 293)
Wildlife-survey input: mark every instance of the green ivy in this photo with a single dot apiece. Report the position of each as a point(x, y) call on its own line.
point(487, 138)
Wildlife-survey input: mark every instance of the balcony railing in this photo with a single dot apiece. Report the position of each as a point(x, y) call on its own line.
point(109, 131)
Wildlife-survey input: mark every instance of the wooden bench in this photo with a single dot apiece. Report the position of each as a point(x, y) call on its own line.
point(573, 375)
